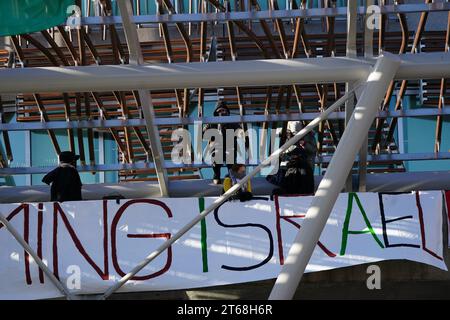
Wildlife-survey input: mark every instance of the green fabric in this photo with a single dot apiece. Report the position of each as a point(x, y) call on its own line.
point(25, 16)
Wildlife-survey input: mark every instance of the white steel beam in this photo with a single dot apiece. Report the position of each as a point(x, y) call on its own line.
point(214, 74)
point(148, 112)
point(179, 75)
point(335, 177)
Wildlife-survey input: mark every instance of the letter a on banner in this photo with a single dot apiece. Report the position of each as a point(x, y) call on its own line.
point(346, 231)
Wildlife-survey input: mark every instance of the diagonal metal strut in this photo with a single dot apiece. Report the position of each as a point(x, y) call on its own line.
point(274, 156)
point(335, 177)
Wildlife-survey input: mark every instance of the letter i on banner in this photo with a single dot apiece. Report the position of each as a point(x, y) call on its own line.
point(201, 207)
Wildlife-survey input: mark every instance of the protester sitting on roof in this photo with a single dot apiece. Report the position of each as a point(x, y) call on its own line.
point(65, 180)
point(236, 173)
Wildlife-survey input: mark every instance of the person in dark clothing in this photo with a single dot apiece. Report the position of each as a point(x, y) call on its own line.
point(65, 180)
point(296, 176)
point(308, 142)
point(299, 177)
point(222, 111)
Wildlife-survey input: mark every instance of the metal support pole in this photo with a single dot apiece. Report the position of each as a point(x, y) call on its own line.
point(323, 116)
point(368, 53)
point(334, 180)
point(36, 258)
point(136, 58)
point(221, 17)
point(352, 16)
point(429, 65)
point(192, 120)
point(368, 32)
point(351, 52)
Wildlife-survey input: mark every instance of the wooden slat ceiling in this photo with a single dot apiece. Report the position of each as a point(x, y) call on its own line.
point(132, 142)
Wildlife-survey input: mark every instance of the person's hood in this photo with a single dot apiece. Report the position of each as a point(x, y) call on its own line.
point(221, 106)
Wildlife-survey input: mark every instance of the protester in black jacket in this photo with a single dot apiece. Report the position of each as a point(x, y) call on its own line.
point(65, 180)
point(295, 175)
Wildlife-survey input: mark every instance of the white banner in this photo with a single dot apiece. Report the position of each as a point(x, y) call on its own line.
point(89, 245)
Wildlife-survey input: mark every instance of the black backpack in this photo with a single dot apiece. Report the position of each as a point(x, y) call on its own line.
point(299, 177)
point(292, 181)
